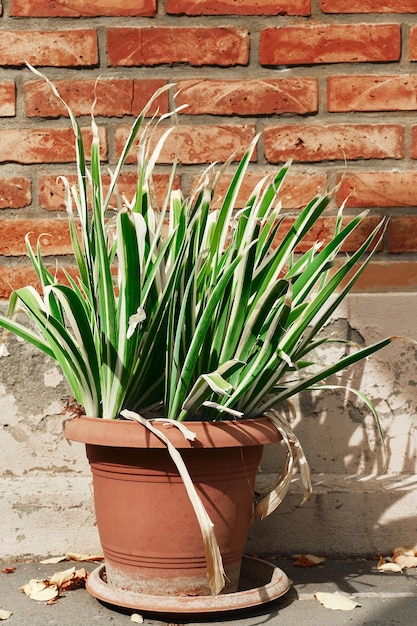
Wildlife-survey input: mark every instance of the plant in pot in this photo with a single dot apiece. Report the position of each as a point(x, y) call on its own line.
point(184, 331)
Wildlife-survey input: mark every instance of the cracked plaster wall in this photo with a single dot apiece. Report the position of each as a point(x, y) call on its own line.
point(46, 498)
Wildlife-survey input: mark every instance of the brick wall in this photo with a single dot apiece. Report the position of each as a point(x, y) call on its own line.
point(329, 83)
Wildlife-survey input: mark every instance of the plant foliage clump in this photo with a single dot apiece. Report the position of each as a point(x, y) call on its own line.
point(183, 310)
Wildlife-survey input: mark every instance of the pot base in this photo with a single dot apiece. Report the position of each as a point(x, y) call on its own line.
point(260, 583)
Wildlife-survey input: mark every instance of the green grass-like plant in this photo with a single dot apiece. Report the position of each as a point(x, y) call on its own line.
point(181, 310)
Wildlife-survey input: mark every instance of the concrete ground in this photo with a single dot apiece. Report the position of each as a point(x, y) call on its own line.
point(384, 599)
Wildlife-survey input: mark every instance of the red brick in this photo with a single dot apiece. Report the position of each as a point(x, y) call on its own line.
point(368, 6)
point(333, 142)
point(7, 98)
point(372, 93)
point(324, 229)
point(232, 7)
point(413, 149)
point(54, 233)
point(330, 43)
point(198, 144)
point(248, 97)
point(50, 145)
point(115, 97)
point(15, 192)
point(378, 189)
point(296, 191)
point(81, 8)
point(413, 43)
point(402, 234)
point(14, 277)
point(58, 48)
point(224, 46)
point(143, 90)
point(52, 195)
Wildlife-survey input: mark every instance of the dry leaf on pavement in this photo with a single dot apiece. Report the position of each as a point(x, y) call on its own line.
point(409, 551)
point(8, 570)
point(335, 601)
point(385, 565)
point(54, 559)
point(48, 590)
point(5, 614)
point(69, 579)
point(308, 560)
point(404, 560)
point(40, 590)
point(405, 557)
point(87, 558)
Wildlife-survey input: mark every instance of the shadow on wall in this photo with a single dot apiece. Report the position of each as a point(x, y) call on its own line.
point(356, 506)
point(338, 428)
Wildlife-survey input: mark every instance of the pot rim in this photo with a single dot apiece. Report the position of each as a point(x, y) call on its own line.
point(131, 434)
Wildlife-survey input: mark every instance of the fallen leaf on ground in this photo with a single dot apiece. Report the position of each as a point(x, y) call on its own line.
point(40, 590)
point(136, 618)
point(75, 556)
point(54, 559)
point(308, 560)
point(335, 601)
point(407, 550)
point(404, 560)
point(59, 578)
point(8, 570)
point(5, 614)
point(69, 579)
point(388, 566)
point(405, 557)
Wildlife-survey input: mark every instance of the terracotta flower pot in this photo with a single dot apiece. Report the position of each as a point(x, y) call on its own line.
point(149, 533)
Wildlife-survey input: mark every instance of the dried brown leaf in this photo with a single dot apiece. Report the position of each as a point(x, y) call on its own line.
point(405, 560)
point(335, 601)
point(5, 614)
point(40, 590)
point(308, 560)
point(69, 579)
point(8, 570)
point(388, 566)
point(87, 558)
point(406, 550)
point(33, 586)
point(54, 559)
point(60, 577)
point(78, 580)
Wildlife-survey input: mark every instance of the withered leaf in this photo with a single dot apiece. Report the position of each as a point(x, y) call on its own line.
point(405, 560)
point(69, 579)
point(54, 559)
point(86, 558)
point(407, 550)
point(335, 601)
point(5, 614)
point(40, 590)
point(8, 570)
point(388, 566)
point(308, 560)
